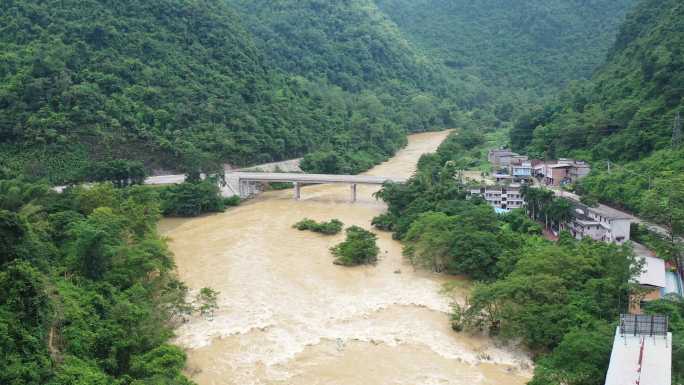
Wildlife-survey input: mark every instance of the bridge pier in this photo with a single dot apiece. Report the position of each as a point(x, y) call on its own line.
point(246, 188)
point(353, 192)
point(297, 190)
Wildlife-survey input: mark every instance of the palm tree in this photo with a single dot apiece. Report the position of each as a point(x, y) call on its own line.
point(530, 196)
point(545, 200)
point(560, 211)
point(536, 201)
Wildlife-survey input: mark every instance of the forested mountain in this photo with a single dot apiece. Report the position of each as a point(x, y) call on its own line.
point(126, 79)
point(164, 81)
point(626, 112)
point(519, 50)
point(348, 49)
point(347, 43)
point(177, 83)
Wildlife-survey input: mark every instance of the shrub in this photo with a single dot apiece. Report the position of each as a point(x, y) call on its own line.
point(280, 185)
point(120, 172)
point(328, 228)
point(358, 249)
point(521, 223)
point(383, 222)
point(191, 199)
point(232, 201)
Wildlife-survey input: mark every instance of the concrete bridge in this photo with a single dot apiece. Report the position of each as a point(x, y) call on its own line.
point(245, 181)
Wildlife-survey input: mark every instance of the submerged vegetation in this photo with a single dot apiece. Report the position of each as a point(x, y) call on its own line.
point(332, 227)
point(359, 248)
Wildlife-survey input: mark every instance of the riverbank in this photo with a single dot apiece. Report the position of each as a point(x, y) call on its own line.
point(287, 315)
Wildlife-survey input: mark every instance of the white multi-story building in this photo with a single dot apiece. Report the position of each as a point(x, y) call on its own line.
point(601, 224)
point(502, 197)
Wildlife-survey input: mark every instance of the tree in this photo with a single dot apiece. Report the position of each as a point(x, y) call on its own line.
point(429, 241)
point(97, 241)
point(560, 211)
point(205, 301)
point(86, 295)
point(537, 201)
point(75, 371)
point(358, 248)
point(521, 223)
point(191, 199)
point(581, 358)
point(120, 172)
point(93, 197)
point(12, 232)
point(474, 253)
point(25, 312)
point(164, 364)
point(552, 289)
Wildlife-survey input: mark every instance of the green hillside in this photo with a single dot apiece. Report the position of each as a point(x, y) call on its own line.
point(625, 114)
point(179, 83)
point(347, 43)
point(164, 81)
point(351, 47)
point(519, 50)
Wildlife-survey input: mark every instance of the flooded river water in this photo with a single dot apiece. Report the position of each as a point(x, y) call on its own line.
point(287, 315)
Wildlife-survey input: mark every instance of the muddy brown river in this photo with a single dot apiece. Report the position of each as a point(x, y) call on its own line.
point(287, 315)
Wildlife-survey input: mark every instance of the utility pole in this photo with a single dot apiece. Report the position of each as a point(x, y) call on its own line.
point(608, 163)
point(677, 131)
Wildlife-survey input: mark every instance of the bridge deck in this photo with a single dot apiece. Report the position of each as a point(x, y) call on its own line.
point(312, 178)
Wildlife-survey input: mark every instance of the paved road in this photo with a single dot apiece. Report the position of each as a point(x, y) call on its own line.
point(165, 179)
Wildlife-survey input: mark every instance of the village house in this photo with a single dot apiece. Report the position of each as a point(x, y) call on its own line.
point(500, 158)
point(520, 170)
point(502, 197)
point(651, 280)
point(599, 223)
point(657, 279)
point(560, 172)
